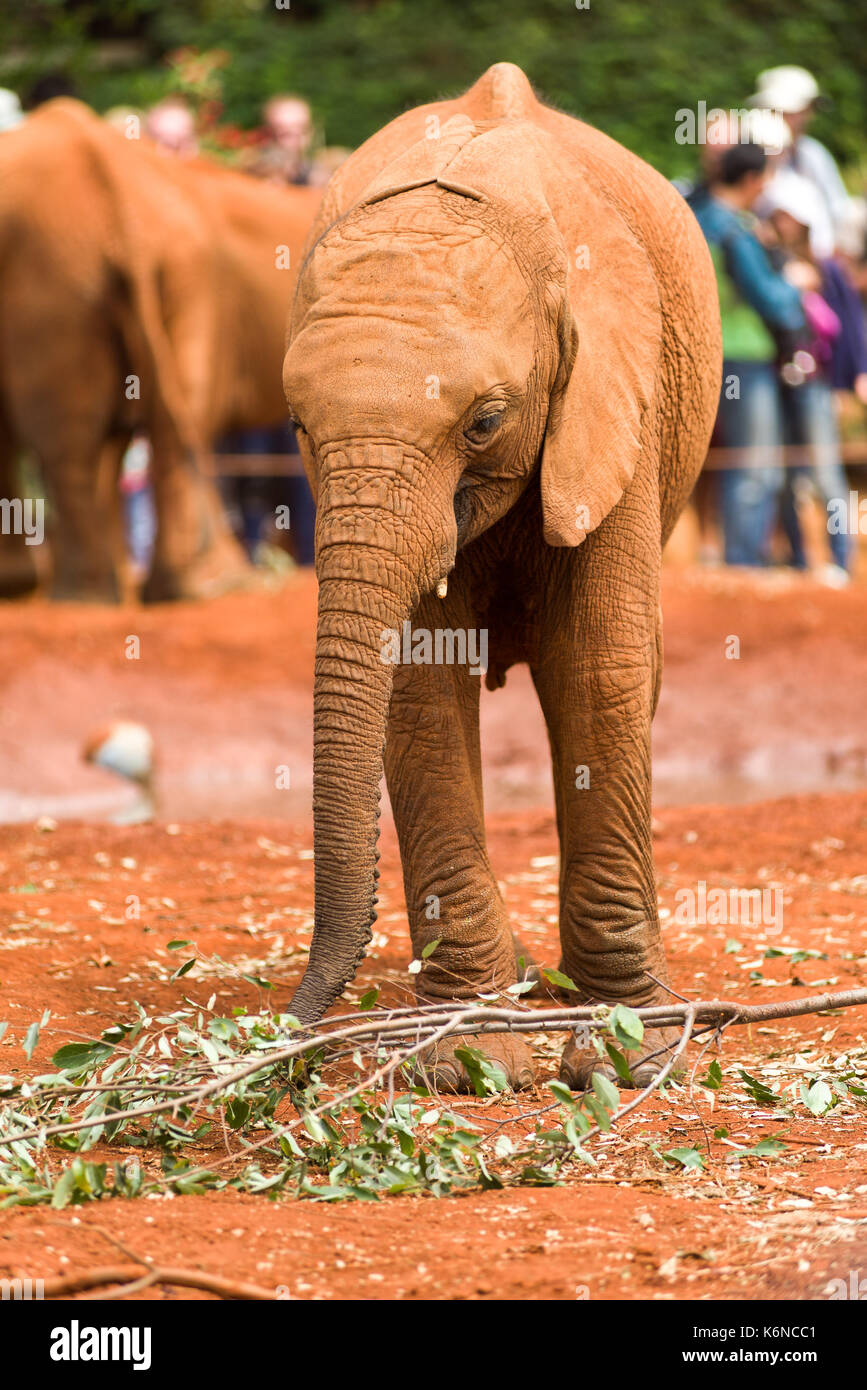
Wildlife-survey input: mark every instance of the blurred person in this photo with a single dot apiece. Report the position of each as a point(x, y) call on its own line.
point(724, 129)
point(284, 158)
point(138, 503)
point(755, 302)
point(852, 245)
point(794, 93)
point(290, 127)
point(252, 499)
point(832, 354)
point(172, 127)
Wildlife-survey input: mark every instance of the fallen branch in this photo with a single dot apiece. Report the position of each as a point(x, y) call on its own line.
point(131, 1280)
point(412, 1031)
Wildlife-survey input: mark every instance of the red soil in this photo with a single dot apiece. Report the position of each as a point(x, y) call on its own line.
point(225, 688)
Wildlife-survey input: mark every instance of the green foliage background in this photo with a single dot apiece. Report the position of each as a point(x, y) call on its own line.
point(624, 65)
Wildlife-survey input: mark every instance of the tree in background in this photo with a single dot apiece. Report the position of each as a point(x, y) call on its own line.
point(626, 66)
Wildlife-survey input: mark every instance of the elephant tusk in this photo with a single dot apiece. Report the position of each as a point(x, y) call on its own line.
point(442, 586)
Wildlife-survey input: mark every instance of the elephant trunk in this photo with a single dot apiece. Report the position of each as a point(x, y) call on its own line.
point(367, 589)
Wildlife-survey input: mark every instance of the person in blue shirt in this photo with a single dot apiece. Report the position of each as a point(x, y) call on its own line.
point(757, 305)
point(833, 356)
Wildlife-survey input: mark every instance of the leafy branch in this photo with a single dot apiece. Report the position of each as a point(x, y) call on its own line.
point(163, 1083)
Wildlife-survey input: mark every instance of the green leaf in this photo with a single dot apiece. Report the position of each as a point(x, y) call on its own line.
point(368, 1000)
point(79, 1057)
point(627, 1027)
point(571, 1129)
point(713, 1080)
point(594, 1105)
point(31, 1038)
point(430, 948)
point(795, 954)
point(760, 1093)
point(486, 1076)
point(818, 1098)
point(562, 1093)
point(176, 945)
point(605, 1091)
point(687, 1158)
point(556, 977)
point(620, 1064)
point(237, 1112)
point(63, 1190)
point(184, 969)
point(765, 1148)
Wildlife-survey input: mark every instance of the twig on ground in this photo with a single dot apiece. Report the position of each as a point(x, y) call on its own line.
point(131, 1280)
point(413, 1032)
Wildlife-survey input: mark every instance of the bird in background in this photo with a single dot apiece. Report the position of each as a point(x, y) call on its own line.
point(127, 749)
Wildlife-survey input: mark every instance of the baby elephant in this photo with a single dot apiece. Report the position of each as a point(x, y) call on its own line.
point(503, 363)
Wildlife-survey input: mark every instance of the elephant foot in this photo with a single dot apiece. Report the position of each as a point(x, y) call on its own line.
point(18, 572)
point(508, 1052)
point(220, 571)
point(578, 1064)
point(68, 588)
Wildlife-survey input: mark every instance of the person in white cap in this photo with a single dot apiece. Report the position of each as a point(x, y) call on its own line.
point(794, 92)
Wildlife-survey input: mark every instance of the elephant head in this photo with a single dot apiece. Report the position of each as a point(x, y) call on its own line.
point(446, 351)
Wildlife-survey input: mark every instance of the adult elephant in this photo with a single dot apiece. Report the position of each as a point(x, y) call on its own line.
point(139, 293)
point(504, 364)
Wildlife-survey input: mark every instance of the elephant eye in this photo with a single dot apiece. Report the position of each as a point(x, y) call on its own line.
point(484, 426)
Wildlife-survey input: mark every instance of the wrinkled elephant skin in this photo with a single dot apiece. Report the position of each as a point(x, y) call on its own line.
point(504, 360)
point(139, 293)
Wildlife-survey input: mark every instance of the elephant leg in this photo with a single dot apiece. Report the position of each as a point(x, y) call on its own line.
point(18, 571)
point(433, 771)
point(195, 553)
point(85, 520)
point(597, 677)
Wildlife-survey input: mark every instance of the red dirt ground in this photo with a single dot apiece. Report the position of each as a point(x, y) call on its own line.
point(226, 689)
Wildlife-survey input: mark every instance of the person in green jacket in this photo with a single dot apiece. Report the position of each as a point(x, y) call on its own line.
point(756, 305)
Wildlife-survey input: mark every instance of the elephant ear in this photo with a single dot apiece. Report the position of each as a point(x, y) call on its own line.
point(609, 331)
point(601, 292)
